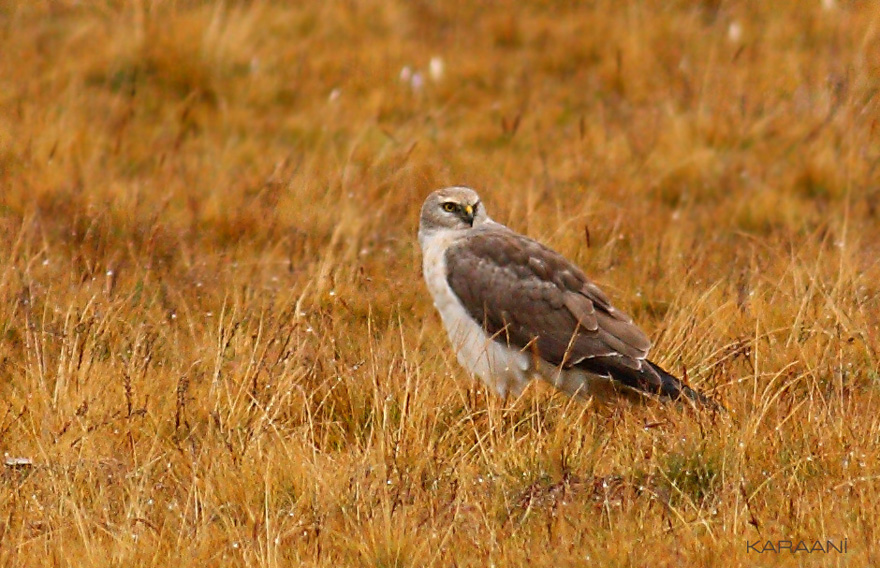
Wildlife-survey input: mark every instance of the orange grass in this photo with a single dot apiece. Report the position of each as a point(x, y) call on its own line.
point(216, 348)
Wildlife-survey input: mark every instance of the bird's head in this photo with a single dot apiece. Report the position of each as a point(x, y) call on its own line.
point(452, 208)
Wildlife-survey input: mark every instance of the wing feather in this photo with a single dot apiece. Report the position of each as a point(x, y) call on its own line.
point(526, 294)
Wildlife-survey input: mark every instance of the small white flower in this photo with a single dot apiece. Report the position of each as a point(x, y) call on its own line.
point(734, 32)
point(417, 82)
point(436, 68)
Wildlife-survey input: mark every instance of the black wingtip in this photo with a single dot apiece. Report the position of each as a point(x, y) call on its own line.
point(673, 388)
point(649, 379)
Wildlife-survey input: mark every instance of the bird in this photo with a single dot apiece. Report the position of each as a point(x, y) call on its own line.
point(515, 310)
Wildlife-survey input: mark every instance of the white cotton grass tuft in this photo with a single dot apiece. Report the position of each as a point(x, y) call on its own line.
point(436, 68)
point(416, 79)
point(734, 31)
point(417, 82)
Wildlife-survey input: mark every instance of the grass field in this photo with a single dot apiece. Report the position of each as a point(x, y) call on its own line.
point(216, 348)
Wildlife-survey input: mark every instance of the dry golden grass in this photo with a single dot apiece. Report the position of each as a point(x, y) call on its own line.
point(216, 348)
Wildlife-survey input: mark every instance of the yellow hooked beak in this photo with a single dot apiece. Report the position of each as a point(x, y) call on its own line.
point(469, 213)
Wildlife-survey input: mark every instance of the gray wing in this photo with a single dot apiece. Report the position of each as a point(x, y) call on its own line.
point(531, 297)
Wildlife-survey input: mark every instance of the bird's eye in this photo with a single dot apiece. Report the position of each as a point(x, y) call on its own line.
point(449, 207)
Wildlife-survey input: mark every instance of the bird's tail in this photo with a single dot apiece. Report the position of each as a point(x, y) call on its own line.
point(649, 379)
point(673, 388)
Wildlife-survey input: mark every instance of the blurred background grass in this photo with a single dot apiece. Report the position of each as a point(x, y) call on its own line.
point(216, 348)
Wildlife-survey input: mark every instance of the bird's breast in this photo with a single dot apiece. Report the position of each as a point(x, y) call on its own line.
point(434, 270)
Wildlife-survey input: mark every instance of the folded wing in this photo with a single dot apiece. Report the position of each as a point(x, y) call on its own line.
point(531, 297)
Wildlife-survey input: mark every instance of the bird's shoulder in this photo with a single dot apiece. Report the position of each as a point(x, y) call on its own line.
point(499, 253)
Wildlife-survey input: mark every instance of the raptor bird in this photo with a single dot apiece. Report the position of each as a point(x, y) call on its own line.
point(515, 309)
